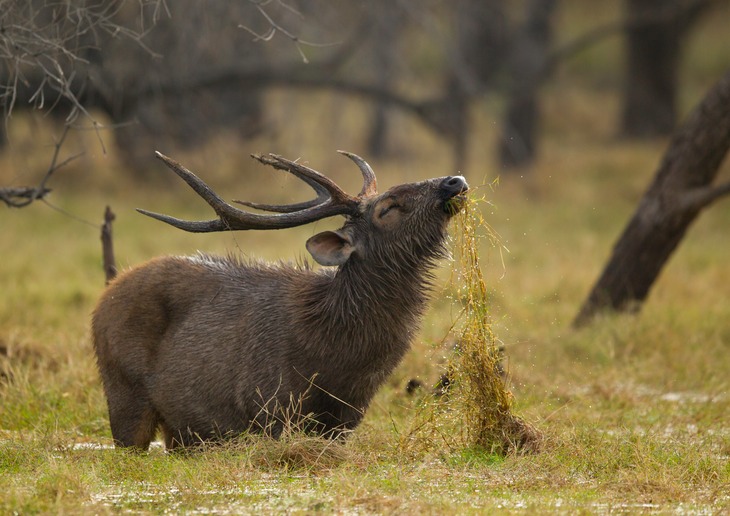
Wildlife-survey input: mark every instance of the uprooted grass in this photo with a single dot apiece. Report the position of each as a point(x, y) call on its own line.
point(475, 409)
point(480, 384)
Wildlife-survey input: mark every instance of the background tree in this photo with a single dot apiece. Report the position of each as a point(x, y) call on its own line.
point(655, 33)
point(48, 50)
point(481, 36)
point(527, 64)
point(681, 189)
point(385, 52)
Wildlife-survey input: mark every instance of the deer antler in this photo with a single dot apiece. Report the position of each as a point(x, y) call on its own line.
point(331, 199)
point(369, 184)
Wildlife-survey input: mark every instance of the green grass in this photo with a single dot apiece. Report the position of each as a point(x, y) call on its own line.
point(634, 409)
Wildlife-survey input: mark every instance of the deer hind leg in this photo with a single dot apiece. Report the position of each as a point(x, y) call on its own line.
point(132, 416)
point(174, 439)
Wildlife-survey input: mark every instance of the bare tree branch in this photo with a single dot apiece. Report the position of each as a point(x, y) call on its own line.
point(19, 197)
point(685, 12)
point(275, 27)
point(42, 40)
point(700, 198)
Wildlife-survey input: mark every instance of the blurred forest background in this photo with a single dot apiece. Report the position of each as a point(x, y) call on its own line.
point(148, 74)
point(182, 73)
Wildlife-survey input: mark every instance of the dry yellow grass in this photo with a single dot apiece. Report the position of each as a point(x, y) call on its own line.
point(480, 392)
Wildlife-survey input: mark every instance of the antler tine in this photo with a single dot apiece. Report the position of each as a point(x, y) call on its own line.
point(321, 191)
point(311, 177)
point(283, 208)
point(370, 183)
point(331, 200)
point(207, 226)
point(203, 190)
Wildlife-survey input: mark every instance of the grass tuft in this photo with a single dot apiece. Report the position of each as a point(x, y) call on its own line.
point(297, 451)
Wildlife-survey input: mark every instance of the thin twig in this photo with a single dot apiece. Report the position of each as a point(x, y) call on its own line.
point(11, 195)
point(275, 27)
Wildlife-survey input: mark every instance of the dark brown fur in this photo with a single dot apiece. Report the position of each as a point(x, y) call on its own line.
point(204, 347)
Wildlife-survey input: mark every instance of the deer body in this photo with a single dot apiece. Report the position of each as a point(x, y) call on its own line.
point(204, 347)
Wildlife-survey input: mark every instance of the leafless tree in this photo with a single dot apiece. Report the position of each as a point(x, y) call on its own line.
point(482, 32)
point(46, 46)
point(527, 65)
point(386, 35)
point(47, 50)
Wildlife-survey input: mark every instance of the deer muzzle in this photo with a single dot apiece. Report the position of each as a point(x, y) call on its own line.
point(453, 190)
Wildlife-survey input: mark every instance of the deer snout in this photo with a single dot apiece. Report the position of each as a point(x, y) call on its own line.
point(454, 185)
point(452, 190)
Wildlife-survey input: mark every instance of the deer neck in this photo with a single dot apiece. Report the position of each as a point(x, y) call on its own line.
point(371, 308)
point(382, 288)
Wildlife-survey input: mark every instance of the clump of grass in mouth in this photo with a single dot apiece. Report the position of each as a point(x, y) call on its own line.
point(480, 396)
point(476, 410)
point(455, 204)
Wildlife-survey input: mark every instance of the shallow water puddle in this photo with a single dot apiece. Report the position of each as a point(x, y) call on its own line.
point(259, 496)
point(90, 445)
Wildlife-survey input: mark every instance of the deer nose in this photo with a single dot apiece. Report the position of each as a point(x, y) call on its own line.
point(454, 185)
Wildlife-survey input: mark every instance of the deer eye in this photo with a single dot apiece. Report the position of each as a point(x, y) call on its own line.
point(385, 210)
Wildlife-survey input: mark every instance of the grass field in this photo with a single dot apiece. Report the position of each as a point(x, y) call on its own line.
point(635, 409)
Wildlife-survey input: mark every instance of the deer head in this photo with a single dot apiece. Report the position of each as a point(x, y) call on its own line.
point(373, 218)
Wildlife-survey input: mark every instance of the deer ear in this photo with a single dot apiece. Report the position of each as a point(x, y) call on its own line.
point(330, 247)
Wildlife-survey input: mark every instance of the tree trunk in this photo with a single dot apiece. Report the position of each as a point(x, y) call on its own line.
point(480, 38)
point(387, 31)
point(654, 37)
point(518, 142)
point(681, 188)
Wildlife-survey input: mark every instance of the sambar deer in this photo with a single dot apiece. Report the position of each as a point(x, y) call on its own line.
point(205, 347)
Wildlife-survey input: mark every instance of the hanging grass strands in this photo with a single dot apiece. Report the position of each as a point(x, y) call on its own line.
point(472, 405)
point(480, 394)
